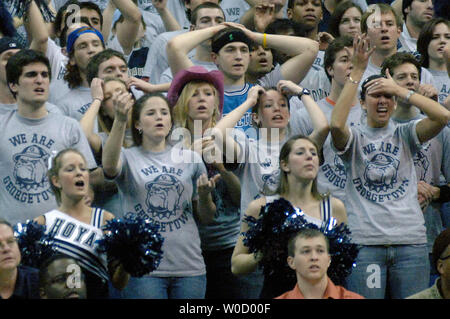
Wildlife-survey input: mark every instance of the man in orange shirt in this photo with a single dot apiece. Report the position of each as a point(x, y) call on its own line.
point(309, 257)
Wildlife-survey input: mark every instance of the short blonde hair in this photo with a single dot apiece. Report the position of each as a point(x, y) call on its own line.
point(181, 108)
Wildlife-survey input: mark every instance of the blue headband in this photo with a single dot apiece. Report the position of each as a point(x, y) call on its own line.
point(74, 35)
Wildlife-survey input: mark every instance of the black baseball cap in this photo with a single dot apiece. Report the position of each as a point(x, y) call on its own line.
point(7, 43)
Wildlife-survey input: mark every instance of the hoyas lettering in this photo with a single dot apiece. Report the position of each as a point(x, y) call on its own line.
point(77, 233)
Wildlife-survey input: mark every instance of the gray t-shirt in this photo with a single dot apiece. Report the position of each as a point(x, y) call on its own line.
point(432, 165)
point(26, 146)
point(6, 108)
point(58, 62)
point(258, 168)
point(234, 9)
point(425, 78)
point(381, 192)
point(76, 102)
point(157, 60)
point(167, 76)
point(442, 84)
point(223, 231)
point(162, 186)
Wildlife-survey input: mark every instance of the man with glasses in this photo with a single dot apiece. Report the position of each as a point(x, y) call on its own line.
point(16, 281)
point(441, 259)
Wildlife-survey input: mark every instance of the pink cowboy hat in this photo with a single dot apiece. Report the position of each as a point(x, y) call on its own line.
point(195, 73)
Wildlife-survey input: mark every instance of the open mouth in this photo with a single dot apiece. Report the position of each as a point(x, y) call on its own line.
point(382, 110)
point(277, 118)
point(385, 38)
point(79, 183)
point(159, 125)
point(202, 108)
point(39, 90)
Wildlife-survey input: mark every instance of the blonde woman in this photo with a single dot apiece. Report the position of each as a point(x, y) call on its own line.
point(197, 99)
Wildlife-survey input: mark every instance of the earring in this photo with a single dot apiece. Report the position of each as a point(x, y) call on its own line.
point(140, 131)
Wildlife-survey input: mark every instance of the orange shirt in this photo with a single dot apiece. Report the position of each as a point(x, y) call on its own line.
point(332, 292)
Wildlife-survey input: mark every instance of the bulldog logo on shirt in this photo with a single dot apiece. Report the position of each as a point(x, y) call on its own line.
point(270, 182)
point(163, 196)
point(30, 169)
point(421, 161)
point(381, 173)
point(339, 167)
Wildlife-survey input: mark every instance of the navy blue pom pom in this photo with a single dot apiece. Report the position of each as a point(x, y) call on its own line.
point(278, 222)
point(6, 25)
point(34, 244)
point(19, 8)
point(135, 242)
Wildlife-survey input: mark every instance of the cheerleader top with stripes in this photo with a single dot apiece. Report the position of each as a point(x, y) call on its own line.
point(79, 240)
point(325, 210)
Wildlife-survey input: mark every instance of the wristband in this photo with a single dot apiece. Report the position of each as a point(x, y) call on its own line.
point(408, 96)
point(264, 43)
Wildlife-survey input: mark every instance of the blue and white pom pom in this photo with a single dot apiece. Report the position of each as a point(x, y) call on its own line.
point(34, 244)
point(278, 222)
point(135, 242)
point(6, 22)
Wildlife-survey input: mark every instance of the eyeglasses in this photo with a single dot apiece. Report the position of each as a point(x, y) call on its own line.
point(444, 258)
point(10, 242)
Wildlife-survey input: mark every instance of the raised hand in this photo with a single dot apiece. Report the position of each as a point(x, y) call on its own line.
point(429, 91)
point(122, 104)
point(383, 85)
point(361, 52)
point(264, 15)
point(97, 89)
point(288, 88)
point(324, 39)
point(254, 93)
point(205, 185)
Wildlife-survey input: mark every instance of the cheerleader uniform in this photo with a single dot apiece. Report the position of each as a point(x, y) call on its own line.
point(79, 241)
